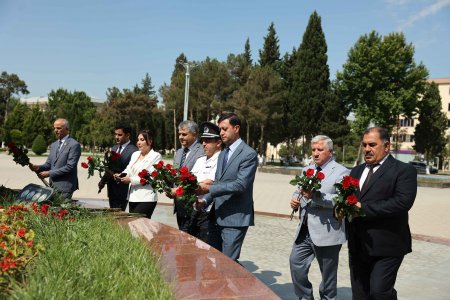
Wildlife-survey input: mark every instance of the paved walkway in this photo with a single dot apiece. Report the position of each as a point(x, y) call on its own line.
point(424, 273)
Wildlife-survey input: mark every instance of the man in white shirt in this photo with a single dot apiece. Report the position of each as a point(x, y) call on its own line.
point(205, 170)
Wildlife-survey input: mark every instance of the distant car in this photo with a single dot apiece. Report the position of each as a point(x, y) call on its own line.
point(422, 167)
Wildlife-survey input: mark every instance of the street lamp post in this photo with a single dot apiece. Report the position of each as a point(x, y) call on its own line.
point(186, 91)
point(187, 66)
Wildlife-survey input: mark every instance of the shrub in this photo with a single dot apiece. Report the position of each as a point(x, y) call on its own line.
point(16, 136)
point(39, 145)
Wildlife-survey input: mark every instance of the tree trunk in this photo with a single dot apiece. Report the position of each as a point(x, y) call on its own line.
point(261, 140)
point(248, 133)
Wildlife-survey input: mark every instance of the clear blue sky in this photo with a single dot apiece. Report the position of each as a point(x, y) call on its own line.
point(90, 45)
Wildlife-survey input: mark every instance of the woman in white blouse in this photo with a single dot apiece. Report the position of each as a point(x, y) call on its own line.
point(141, 198)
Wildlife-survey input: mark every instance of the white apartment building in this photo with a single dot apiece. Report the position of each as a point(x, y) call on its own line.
point(407, 126)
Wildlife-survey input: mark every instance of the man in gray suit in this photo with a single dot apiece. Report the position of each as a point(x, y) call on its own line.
point(319, 234)
point(118, 193)
point(61, 164)
point(187, 155)
point(232, 190)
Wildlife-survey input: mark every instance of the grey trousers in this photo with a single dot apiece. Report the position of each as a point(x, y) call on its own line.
point(302, 255)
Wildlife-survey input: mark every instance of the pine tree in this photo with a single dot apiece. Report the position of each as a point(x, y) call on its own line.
point(430, 132)
point(270, 54)
point(311, 81)
point(247, 53)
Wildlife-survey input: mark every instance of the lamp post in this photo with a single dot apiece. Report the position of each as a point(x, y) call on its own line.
point(187, 66)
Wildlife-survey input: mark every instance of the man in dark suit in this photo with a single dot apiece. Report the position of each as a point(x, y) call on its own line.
point(187, 155)
point(379, 240)
point(232, 190)
point(62, 161)
point(117, 193)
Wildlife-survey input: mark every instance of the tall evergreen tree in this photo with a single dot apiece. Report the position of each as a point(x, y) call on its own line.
point(270, 54)
point(146, 87)
point(430, 132)
point(311, 81)
point(247, 53)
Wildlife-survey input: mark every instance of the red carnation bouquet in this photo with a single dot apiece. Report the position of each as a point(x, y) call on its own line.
point(164, 177)
point(309, 181)
point(20, 157)
point(19, 154)
point(346, 199)
point(108, 165)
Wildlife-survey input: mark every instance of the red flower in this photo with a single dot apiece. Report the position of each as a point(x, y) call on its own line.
point(320, 176)
point(355, 182)
point(352, 199)
point(184, 170)
point(143, 181)
point(192, 178)
point(173, 172)
point(89, 158)
point(179, 192)
point(143, 173)
point(30, 244)
point(346, 182)
point(310, 172)
point(44, 209)
point(159, 165)
point(154, 174)
point(21, 232)
point(84, 165)
point(168, 167)
point(115, 155)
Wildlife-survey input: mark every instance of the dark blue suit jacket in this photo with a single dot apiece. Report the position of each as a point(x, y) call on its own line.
point(63, 165)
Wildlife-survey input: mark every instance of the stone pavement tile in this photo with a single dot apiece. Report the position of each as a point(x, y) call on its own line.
point(423, 275)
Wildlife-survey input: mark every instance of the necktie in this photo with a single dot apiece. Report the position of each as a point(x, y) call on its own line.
point(368, 176)
point(120, 149)
point(318, 169)
point(225, 157)
point(59, 147)
point(183, 156)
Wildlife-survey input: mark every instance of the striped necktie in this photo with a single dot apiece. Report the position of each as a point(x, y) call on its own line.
point(368, 176)
point(225, 157)
point(183, 156)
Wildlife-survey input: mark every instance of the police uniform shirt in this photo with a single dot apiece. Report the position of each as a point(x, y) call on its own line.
point(205, 169)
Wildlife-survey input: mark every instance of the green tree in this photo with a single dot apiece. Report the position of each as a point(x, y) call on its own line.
point(76, 107)
point(380, 80)
point(15, 121)
point(129, 106)
point(35, 123)
point(311, 90)
point(10, 84)
point(259, 100)
point(39, 145)
point(247, 53)
point(270, 54)
point(146, 87)
point(430, 132)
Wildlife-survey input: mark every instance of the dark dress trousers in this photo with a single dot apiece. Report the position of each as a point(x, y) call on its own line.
point(379, 240)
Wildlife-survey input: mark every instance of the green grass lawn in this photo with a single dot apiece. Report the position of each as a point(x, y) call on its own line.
point(90, 258)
